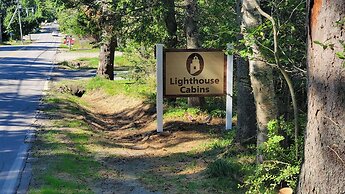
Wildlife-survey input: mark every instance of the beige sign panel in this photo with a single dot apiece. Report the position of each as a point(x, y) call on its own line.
point(194, 73)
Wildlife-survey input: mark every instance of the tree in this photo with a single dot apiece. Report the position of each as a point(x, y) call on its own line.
point(192, 36)
point(324, 165)
point(108, 43)
point(246, 117)
point(170, 22)
point(246, 113)
point(260, 72)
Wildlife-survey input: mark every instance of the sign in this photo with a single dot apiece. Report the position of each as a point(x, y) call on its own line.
point(193, 72)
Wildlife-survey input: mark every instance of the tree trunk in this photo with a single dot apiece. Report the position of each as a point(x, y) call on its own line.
point(246, 113)
point(246, 117)
point(261, 76)
point(171, 25)
point(106, 59)
point(323, 170)
point(192, 36)
point(170, 22)
point(108, 45)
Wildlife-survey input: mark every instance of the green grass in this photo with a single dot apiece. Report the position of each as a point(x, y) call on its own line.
point(16, 42)
point(68, 166)
point(117, 87)
point(180, 112)
point(56, 185)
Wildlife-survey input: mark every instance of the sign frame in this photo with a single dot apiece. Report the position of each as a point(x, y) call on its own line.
point(195, 51)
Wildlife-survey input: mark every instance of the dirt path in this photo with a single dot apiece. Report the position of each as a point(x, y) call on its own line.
point(65, 55)
point(129, 134)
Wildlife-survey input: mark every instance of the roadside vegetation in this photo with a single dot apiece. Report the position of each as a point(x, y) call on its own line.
point(107, 135)
point(110, 125)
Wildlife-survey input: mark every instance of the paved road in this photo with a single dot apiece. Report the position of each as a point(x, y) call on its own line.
point(23, 74)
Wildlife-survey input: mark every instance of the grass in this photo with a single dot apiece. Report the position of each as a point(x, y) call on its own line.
point(117, 87)
point(16, 42)
point(63, 153)
point(93, 62)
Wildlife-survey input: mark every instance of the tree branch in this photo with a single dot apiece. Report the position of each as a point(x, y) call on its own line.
point(283, 72)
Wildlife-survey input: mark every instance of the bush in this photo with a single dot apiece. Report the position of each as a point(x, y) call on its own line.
point(281, 166)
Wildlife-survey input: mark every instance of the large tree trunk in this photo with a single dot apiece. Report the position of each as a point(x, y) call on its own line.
point(323, 170)
point(106, 59)
point(261, 76)
point(171, 25)
point(246, 113)
point(192, 36)
point(246, 117)
point(108, 45)
point(170, 22)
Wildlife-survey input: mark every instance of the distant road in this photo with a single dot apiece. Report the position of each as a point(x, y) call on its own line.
point(23, 73)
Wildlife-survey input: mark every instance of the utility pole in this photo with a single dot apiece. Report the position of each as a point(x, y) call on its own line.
point(17, 10)
point(0, 26)
point(1, 22)
point(19, 6)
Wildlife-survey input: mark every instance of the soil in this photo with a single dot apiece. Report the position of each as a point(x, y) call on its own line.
point(129, 133)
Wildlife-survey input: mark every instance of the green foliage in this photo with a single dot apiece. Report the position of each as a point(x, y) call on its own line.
point(75, 22)
point(280, 168)
point(217, 21)
point(141, 60)
point(222, 168)
point(341, 54)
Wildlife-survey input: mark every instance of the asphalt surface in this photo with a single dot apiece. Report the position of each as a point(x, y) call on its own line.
point(24, 71)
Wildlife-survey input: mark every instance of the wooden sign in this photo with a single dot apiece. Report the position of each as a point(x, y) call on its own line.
point(194, 72)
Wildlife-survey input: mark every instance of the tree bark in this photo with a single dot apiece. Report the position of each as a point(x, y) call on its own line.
point(323, 170)
point(108, 44)
point(170, 22)
point(106, 59)
point(192, 36)
point(261, 76)
point(246, 113)
point(246, 117)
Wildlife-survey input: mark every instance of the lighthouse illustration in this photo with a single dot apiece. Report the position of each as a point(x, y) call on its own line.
point(195, 64)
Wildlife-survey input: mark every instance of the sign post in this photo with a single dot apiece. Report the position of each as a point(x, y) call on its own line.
point(159, 97)
point(229, 88)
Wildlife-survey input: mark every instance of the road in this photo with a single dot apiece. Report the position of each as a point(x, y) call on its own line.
point(23, 75)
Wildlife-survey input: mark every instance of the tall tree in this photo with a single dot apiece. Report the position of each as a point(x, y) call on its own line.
point(246, 117)
point(324, 165)
point(108, 43)
point(170, 22)
point(192, 36)
point(260, 72)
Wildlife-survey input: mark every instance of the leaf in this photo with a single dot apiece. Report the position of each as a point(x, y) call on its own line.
point(324, 46)
point(340, 55)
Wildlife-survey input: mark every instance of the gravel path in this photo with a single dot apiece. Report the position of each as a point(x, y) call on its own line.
point(65, 55)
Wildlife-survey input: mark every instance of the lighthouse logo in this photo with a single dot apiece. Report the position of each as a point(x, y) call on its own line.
point(195, 64)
